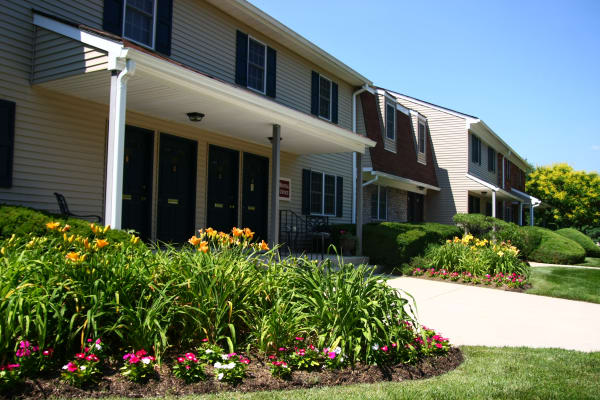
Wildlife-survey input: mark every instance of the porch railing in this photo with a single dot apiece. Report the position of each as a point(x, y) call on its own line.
point(307, 235)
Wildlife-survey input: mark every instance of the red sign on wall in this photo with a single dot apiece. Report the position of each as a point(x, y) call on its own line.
point(285, 189)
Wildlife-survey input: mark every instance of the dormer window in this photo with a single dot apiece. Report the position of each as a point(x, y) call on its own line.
point(421, 137)
point(257, 55)
point(390, 121)
point(138, 24)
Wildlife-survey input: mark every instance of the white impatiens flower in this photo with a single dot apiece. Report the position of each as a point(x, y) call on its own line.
point(375, 346)
point(220, 376)
point(209, 351)
point(82, 368)
point(225, 357)
point(146, 360)
point(98, 346)
point(338, 350)
point(218, 365)
point(65, 367)
point(231, 365)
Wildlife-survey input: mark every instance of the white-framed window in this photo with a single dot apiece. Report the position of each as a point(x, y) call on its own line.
point(422, 133)
point(323, 192)
point(390, 121)
point(379, 203)
point(324, 98)
point(257, 65)
point(139, 22)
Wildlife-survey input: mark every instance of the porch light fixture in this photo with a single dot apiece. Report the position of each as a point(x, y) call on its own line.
point(484, 193)
point(421, 187)
point(195, 116)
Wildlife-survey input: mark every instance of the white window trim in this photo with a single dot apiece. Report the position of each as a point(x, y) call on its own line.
point(393, 106)
point(473, 137)
point(151, 47)
point(335, 199)
point(330, 98)
point(378, 218)
point(264, 91)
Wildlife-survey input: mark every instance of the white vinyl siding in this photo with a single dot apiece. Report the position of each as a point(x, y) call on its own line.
point(481, 170)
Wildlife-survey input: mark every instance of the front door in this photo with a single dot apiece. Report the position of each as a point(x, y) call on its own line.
point(137, 180)
point(176, 188)
point(255, 194)
point(222, 196)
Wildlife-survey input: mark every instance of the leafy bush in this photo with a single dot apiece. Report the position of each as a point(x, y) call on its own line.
point(591, 249)
point(550, 247)
point(478, 225)
point(592, 231)
point(337, 230)
point(392, 243)
point(61, 287)
point(23, 221)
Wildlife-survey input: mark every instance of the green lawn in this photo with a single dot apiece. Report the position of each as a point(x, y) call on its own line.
point(568, 283)
point(487, 373)
point(591, 262)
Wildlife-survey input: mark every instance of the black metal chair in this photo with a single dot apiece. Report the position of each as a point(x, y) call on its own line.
point(64, 209)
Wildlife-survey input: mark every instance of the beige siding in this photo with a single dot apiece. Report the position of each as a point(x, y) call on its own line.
point(450, 143)
point(56, 56)
point(362, 130)
point(481, 171)
point(213, 51)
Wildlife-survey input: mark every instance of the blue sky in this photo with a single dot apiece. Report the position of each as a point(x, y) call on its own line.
point(530, 69)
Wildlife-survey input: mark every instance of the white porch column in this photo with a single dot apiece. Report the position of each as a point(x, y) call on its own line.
point(275, 171)
point(359, 204)
point(116, 143)
point(531, 213)
point(520, 214)
point(494, 203)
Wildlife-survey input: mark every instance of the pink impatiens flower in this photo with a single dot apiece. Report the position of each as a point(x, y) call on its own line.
point(331, 355)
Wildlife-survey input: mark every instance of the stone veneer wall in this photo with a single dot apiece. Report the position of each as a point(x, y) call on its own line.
point(397, 204)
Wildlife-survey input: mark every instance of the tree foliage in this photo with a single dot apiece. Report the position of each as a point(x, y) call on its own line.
point(573, 196)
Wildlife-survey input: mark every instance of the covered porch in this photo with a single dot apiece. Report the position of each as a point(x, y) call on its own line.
point(186, 150)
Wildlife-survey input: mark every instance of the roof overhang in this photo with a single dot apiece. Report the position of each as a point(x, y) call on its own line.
point(534, 201)
point(484, 188)
point(270, 27)
point(167, 90)
point(397, 182)
point(484, 131)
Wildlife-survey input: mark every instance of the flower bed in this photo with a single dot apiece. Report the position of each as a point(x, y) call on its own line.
point(146, 302)
point(509, 281)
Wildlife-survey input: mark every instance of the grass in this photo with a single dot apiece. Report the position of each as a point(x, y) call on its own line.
point(591, 262)
point(567, 283)
point(487, 373)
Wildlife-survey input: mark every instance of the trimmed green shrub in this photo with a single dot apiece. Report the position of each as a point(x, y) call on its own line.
point(393, 243)
point(23, 221)
point(478, 225)
point(550, 247)
point(584, 241)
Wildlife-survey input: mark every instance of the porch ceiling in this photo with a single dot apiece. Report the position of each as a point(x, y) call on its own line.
point(169, 92)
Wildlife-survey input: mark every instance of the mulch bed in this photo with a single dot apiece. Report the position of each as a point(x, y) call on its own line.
point(521, 289)
point(258, 378)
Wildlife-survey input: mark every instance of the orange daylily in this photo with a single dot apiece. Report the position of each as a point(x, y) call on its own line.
point(86, 243)
point(101, 243)
point(264, 245)
point(66, 228)
point(52, 225)
point(248, 233)
point(237, 232)
point(94, 228)
point(73, 256)
point(210, 232)
point(194, 240)
point(203, 247)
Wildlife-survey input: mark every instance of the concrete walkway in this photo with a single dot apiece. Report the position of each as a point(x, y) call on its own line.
point(470, 315)
point(540, 265)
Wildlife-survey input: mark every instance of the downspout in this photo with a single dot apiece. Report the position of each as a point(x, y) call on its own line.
point(365, 88)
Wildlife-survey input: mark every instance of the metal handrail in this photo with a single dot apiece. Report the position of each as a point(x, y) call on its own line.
point(298, 233)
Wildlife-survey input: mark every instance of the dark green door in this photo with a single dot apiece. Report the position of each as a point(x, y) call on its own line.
point(137, 180)
point(255, 194)
point(223, 180)
point(176, 188)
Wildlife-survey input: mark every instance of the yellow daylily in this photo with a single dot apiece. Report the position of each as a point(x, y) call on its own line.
point(52, 225)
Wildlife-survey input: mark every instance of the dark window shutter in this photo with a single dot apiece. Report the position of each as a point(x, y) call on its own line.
point(339, 198)
point(164, 21)
point(271, 72)
point(314, 94)
point(241, 60)
point(7, 141)
point(113, 17)
point(334, 102)
point(306, 191)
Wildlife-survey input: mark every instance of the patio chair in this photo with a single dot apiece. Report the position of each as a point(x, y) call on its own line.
point(64, 209)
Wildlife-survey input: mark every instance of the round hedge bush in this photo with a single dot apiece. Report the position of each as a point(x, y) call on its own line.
point(552, 248)
point(591, 250)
